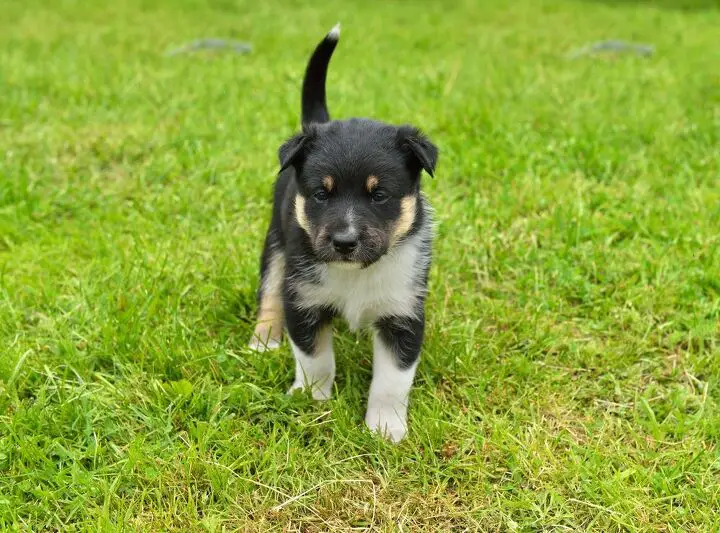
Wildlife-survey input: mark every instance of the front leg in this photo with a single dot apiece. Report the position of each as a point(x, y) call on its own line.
point(396, 342)
point(310, 335)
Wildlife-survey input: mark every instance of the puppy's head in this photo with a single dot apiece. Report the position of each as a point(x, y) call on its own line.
point(358, 186)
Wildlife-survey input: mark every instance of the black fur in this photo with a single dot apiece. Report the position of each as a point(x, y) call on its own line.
point(404, 335)
point(305, 324)
point(314, 107)
point(346, 154)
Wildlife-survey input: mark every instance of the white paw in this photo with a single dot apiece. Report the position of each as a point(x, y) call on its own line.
point(388, 420)
point(260, 345)
point(320, 392)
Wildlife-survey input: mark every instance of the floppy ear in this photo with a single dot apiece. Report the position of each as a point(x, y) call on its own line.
point(422, 153)
point(292, 151)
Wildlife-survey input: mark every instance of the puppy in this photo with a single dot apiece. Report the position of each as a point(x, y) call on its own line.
point(350, 236)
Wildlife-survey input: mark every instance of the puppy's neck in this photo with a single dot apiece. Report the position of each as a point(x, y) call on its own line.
point(345, 265)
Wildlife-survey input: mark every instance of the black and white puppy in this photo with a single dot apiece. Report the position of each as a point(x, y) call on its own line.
point(350, 236)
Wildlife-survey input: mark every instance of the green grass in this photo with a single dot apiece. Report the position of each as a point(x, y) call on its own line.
point(571, 374)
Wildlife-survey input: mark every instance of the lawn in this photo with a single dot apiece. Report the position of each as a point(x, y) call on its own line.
point(570, 377)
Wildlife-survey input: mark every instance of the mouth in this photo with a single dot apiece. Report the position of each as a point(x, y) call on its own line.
point(352, 260)
point(364, 254)
point(331, 256)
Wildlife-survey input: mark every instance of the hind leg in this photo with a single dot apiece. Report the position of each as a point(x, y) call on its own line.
point(268, 330)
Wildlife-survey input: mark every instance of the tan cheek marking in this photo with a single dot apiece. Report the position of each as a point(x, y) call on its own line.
point(371, 183)
point(328, 183)
point(300, 213)
point(408, 208)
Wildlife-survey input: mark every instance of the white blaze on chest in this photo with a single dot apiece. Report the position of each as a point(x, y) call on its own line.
point(389, 287)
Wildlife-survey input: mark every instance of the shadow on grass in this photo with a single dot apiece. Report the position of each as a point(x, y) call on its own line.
point(231, 318)
point(679, 5)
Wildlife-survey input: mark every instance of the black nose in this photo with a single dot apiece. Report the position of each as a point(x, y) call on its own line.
point(345, 242)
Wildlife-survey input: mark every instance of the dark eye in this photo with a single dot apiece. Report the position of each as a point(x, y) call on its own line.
point(321, 196)
point(379, 196)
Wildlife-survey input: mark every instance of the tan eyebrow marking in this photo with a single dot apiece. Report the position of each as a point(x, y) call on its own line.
point(328, 183)
point(371, 183)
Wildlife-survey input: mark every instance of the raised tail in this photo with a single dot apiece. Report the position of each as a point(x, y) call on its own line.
point(314, 108)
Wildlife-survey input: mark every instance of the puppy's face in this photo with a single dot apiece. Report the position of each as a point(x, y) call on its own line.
point(358, 186)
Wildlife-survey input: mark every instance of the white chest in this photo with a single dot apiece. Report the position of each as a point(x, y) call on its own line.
point(390, 287)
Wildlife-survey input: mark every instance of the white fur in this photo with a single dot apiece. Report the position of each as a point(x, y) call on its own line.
point(316, 372)
point(334, 33)
point(386, 288)
point(346, 265)
point(260, 346)
point(350, 220)
point(389, 393)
